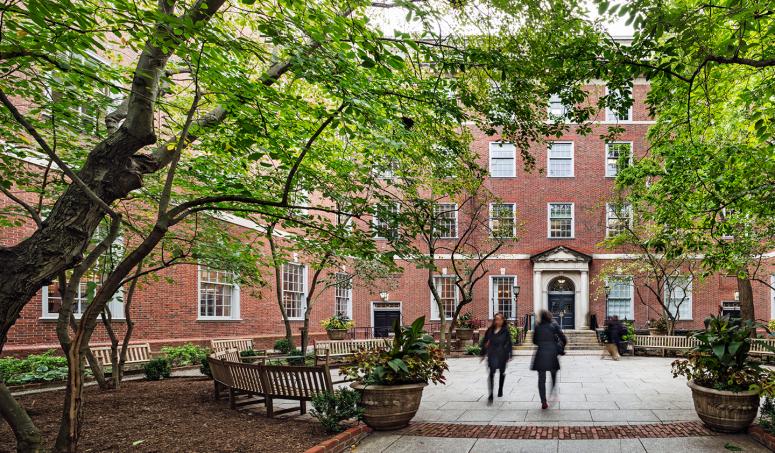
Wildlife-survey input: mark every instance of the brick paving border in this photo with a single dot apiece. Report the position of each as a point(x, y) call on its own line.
point(342, 441)
point(684, 429)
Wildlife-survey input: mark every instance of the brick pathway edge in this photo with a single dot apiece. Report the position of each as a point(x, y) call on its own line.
point(342, 441)
point(683, 429)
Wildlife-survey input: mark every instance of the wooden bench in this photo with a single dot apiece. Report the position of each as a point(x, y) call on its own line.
point(241, 344)
point(261, 383)
point(135, 354)
point(675, 342)
point(343, 349)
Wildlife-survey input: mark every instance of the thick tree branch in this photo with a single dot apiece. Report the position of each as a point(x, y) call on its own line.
point(33, 213)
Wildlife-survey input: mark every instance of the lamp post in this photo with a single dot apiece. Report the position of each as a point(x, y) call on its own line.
point(607, 290)
point(515, 291)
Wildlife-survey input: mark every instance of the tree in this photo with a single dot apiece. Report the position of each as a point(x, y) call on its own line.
point(709, 173)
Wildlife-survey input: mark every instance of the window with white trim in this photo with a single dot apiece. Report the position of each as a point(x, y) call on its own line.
point(560, 157)
point(557, 109)
point(218, 294)
point(445, 220)
point(678, 296)
point(502, 298)
point(615, 115)
point(447, 290)
point(343, 295)
point(620, 298)
point(294, 290)
point(618, 217)
point(561, 220)
point(615, 153)
point(386, 225)
point(503, 220)
point(503, 160)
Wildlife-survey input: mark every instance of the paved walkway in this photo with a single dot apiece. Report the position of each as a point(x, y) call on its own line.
point(633, 405)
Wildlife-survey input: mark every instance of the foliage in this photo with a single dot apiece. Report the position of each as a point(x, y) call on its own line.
point(767, 414)
point(466, 321)
point(413, 358)
point(630, 334)
point(473, 349)
point(515, 332)
point(187, 354)
point(157, 368)
point(283, 346)
point(332, 408)
point(249, 353)
point(660, 324)
point(204, 367)
point(337, 322)
point(771, 326)
point(44, 367)
point(720, 360)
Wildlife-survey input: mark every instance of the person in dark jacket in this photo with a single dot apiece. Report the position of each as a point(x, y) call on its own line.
point(550, 341)
point(496, 345)
point(613, 333)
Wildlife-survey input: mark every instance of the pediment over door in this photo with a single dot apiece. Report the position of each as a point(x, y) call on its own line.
point(561, 254)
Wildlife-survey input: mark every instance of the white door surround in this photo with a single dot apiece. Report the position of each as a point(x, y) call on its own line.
point(562, 261)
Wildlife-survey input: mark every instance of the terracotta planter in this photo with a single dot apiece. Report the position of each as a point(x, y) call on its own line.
point(389, 407)
point(464, 334)
point(723, 411)
point(336, 334)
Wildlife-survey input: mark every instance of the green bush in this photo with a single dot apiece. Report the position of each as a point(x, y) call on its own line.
point(204, 367)
point(630, 335)
point(157, 369)
point(44, 367)
point(473, 349)
point(188, 354)
point(767, 415)
point(282, 345)
point(515, 331)
point(332, 408)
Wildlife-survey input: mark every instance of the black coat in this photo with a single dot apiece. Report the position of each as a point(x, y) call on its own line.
point(545, 337)
point(497, 347)
point(615, 331)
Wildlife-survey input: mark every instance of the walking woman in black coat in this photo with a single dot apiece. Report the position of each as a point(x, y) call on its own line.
point(550, 341)
point(496, 344)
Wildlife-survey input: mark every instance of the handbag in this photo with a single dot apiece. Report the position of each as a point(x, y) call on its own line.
point(559, 343)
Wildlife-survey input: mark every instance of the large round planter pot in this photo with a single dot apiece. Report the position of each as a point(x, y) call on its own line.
point(389, 407)
point(336, 334)
point(464, 334)
point(723, 411)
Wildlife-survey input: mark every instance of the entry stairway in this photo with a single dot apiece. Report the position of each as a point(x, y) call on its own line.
point(577, 340)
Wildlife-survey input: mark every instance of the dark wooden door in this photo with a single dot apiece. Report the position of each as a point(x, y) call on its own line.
point(563, 308)
point(383, 321)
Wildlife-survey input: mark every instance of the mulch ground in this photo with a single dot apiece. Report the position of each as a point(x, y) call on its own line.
point(174, 415)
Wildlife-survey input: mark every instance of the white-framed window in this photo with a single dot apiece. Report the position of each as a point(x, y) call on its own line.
point(613, 152)
point(730, 308)
point(560, 160)
point(502, 298)
point(503, 160)
point(445, 286)
point(294, 290)
point(620, 299)
point(386, 227)
point(387, 171)
point(616, 116)
point(503, 220)
point(618, 217)
point(678, 296)
point(561, 222)
point(218, 294)
point(445, 220)
point(557, 109)
point(52, 299)
point(343, 295)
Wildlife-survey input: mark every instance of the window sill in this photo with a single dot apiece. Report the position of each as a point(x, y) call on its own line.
point(560, 239)
point(218, 319)
point(561, 177)
point(502, 177)
point(77, 318)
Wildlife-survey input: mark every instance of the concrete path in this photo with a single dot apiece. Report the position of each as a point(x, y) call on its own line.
point(393, 443)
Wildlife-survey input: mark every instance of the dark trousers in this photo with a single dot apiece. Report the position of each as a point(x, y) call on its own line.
point(542, 383)
point(491, 378)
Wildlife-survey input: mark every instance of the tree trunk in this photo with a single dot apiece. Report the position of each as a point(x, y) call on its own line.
point(28, 438)
point(745, 292)
point(69, 429)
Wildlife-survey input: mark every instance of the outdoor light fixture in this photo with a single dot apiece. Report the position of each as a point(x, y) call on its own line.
point(516, 290)
point(561, 281)
point(384, 295)
point(607, 289)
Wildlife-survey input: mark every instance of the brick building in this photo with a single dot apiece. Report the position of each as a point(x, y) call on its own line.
point(559, 213)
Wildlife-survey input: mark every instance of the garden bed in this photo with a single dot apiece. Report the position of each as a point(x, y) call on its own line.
point(176, 414)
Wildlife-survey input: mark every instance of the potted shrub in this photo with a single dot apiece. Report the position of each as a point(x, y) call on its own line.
point(464, 329)
point(391, 381)
point(726, 383)
point(337, 326)
point(658, 326)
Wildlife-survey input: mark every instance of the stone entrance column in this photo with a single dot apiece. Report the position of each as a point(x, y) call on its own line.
point(582, 303)
point(537, 292)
